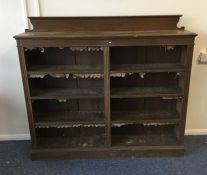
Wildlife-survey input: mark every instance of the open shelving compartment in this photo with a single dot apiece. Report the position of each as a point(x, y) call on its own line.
point(145, 121)
point(147, 84)
point(69, 123)
point(66, 89)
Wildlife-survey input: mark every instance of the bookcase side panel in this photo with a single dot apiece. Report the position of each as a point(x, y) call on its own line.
point(27, 95)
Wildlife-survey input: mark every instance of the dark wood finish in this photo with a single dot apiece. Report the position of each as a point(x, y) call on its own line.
point(139, 135)
point(103, 152)
point(151, 41)
point(65, 93)
point(27, 94)
point(145, 92)
point(188, 64)
point(133, 68)
point(106, 86)
point(132, 117)
point(73, 118)
point(92, 24)
point(69, 105)
point(69, 118)
point(105, 34)
point(63, 69)
point(65, 137)
point(107, 103)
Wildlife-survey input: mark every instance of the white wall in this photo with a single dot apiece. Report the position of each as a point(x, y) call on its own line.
point(13, 119)
point(12, 107)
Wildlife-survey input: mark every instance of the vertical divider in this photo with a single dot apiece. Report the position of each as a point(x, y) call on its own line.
point(107, 109)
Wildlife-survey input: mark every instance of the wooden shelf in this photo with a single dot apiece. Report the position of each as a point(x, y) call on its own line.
point(69, 118)
point(147, 116)
point(141, 135)
point(135, 68)
point(143, 140)
point(63, 93)
point(63, 69)
point(105, 34)
point(71, 142)
point(98, 69)
point(145, 92)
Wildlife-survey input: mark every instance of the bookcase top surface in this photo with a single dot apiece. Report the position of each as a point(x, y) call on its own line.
point(105, 27)
point(105, 34)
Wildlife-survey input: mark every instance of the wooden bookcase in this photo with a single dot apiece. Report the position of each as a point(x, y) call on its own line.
point(106, 86)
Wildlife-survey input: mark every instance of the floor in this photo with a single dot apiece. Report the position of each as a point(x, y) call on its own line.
point(15, 160)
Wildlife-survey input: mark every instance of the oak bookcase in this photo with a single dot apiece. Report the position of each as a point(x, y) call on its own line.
point(106, 86)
